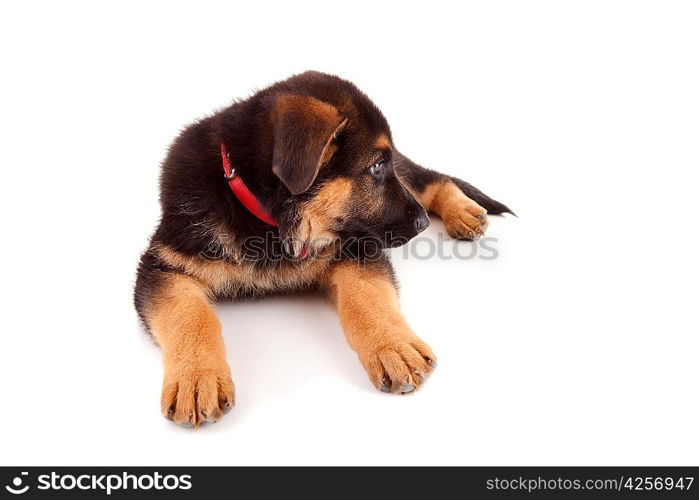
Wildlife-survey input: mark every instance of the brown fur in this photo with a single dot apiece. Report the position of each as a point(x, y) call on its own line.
point(367, 304)
point(317, 214)
point(197, 385)
point(318, 155)
point(330, 147)
point(226, 279)
point(462, 217)
point(382, 142)
point(304, 128)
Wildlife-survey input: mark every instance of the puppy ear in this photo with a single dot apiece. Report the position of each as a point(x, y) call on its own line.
point(304, 129)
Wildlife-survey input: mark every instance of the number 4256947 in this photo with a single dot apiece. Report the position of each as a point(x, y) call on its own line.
point(658, 483)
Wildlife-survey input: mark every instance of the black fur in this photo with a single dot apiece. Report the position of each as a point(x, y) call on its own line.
point(197, 202)
point(418, 177)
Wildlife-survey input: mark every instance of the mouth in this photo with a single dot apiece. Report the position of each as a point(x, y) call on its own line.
point(298, 248)
point(305, 251)
point(307, 243)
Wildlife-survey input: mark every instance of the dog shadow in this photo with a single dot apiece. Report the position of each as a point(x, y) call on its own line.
point(280, 343)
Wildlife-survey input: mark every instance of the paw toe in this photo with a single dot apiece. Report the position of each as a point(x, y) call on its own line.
point(467, 222)
point(400, 368)
point(192, 399)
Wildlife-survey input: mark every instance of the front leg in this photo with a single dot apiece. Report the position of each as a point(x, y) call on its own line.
point(367, 303)
point(197, 385)
point(461, 206)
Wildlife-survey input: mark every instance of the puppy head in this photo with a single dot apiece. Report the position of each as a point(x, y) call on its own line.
point(333, 152)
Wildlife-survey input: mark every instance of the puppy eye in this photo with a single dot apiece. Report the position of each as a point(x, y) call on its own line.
point(377, 168)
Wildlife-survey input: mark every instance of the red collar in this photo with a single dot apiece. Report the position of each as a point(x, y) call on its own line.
point(241, 191)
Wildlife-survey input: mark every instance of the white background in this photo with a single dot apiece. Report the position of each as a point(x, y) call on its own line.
point(577, 345)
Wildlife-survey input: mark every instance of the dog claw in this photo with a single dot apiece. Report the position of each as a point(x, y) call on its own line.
point(385, 384)
point(406, 388)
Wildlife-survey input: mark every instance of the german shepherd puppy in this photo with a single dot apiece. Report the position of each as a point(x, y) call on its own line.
point(299, 187)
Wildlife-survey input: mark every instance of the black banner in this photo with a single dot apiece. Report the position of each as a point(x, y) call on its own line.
point(229, 482)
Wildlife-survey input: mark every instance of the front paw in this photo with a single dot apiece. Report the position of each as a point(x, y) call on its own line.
point(400, 365)
point(465, 219)
point(194, 393)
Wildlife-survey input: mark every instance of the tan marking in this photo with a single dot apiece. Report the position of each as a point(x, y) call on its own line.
point(197, 383)
point(382, 142)
point(330, 147)
point(367, 304)
point(323, 111)
point(319, 213)
point(328, 152)
point(427, 196)
point(224, 278)
point(462, 217)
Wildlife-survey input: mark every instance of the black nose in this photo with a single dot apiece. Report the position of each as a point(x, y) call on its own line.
point(422, 222)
